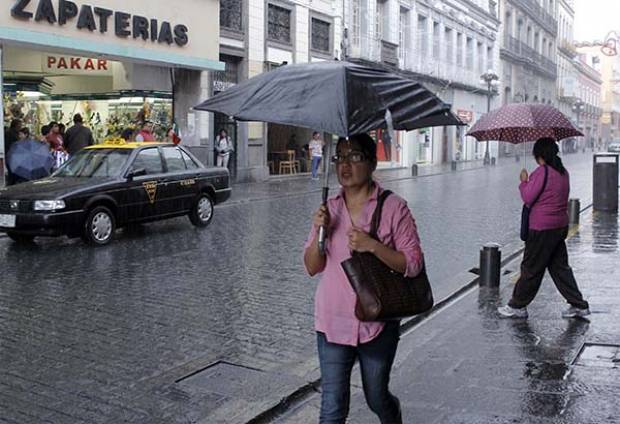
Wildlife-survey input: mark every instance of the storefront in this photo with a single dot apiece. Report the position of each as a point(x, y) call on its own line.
point(117, 63)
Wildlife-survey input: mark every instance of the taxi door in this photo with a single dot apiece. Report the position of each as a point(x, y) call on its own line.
point(143, 195)
point(179, 184)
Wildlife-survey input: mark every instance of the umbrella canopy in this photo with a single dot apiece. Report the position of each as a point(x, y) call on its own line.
point(340, 98)
point(30, 159)
point(523, 122)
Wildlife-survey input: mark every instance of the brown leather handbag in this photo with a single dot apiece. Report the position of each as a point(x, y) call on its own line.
point(382, 293)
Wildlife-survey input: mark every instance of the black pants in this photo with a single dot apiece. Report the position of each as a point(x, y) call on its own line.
point(546, 250)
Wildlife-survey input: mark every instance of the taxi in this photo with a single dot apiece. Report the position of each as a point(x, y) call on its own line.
point(111, 185)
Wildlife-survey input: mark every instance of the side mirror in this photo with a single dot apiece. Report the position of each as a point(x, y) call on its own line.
point(135, 173)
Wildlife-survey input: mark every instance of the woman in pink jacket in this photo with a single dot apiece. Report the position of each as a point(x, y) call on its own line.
point(341, 337)
point(545, 248)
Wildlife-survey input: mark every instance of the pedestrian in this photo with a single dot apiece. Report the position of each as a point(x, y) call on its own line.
point(56, 143)
point(316, 152)
point(78, 136)
point(11, 135)
point(45, 130)
point(23, 134)
point(545, 247)
point(386, 139)
point(224, 147)
point(127, 134)
point(146, 133)
point(341, 337)
point(171, 136)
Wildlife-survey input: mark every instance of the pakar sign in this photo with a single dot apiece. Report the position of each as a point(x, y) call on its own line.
point(93, 18)
point(74, 65)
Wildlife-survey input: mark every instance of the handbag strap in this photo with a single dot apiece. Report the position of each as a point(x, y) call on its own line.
point(543, 187)
point(376, 216)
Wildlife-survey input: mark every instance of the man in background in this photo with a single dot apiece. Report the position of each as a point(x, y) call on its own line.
point(78, 136)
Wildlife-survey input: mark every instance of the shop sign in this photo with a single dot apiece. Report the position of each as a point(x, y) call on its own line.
point(75, 65)
point(92, 19)
point(467, 116)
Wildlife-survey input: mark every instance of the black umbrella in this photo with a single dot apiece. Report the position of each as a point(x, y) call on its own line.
point(340, 98)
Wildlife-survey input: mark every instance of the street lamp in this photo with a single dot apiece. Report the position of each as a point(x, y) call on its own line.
point(578, 107)
point(491, 79)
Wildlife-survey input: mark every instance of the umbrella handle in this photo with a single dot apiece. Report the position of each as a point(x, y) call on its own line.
point(322, 229)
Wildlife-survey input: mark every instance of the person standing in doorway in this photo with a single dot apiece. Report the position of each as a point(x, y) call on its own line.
point(78, 136)
point(224, 148)
point(341, 337)
point(316, 153)
point(146, 133)
point(386, 139)
point(545, 248)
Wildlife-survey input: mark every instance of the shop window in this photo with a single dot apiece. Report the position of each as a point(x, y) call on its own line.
point(231, 14)
point(279, 24)
point(321, 32)
point(174, 160)
point(150, 160)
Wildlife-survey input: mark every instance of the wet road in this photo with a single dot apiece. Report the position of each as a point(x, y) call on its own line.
point(98, 335)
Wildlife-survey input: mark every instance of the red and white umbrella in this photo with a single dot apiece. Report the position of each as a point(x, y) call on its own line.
point(522, 122)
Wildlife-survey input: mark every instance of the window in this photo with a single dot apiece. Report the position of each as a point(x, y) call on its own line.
point(230, 14)
point(459, 49)
point(422, 36)
point(356, 21)
point(490, 58)
point(174, 160)
point(189, 162)
point(449, 45)
point(379, 19)
point(321, 34)
point(480, 53)
point(150, 160)
point(469, 60)
point(403, 33)
point(279, 24)
point(436, 40)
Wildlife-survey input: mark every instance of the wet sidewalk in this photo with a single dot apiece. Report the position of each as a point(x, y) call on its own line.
point(465, 365)
point(302, 184)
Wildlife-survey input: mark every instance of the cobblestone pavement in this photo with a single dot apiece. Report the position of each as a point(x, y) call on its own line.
point(116, 334)
point(465, 365)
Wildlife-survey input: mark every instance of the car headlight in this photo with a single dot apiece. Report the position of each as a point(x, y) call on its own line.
point(49, 205)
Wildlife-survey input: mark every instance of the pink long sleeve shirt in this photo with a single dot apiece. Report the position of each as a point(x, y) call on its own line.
point(551, 209)
point(335, 299)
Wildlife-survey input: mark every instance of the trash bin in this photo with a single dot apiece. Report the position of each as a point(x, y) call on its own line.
point(605, 183)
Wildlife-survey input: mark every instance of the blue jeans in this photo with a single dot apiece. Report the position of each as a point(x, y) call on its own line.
point(316, 161)
point(376, 358)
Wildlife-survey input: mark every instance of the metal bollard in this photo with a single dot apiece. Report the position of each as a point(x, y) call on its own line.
point(493, 161)
point(574, 208)
point(414, 170)
point(453, 165)
point(517, 158)
point(490, 264)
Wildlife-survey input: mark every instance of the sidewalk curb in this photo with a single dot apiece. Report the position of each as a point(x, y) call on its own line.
point(306, 391)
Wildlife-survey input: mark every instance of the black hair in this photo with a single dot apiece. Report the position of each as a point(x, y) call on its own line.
point(51, 124)
point(367, 145)
point(25, 131)
point(77, 119)
point(45, 130)
point(16, 124)
point(224, 130)
point(126, 134)
point(315, 133)
point(547, 149)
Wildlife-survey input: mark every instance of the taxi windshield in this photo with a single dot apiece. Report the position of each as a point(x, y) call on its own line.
point(95, 163)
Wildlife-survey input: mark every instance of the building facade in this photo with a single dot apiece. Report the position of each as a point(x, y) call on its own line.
point(590, 95)
point(447, 45)
point(257, 36)
point(528, 53)
point(117, 63)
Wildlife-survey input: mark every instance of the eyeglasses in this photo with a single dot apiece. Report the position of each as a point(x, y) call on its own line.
point(352, 157)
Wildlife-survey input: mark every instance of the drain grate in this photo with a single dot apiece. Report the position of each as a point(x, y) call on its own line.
point(598, 355)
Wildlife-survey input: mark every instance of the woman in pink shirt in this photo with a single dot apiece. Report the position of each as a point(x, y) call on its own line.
point(545, 247)
point(341, 337)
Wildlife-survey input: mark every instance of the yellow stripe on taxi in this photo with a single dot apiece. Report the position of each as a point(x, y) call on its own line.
point(125, 145)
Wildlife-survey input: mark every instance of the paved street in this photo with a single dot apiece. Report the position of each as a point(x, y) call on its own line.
point(120, 334)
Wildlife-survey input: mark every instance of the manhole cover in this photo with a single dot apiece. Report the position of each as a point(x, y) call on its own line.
point(236, 381)
point(598, 355)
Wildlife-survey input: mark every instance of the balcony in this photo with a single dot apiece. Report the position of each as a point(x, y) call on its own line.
point(539, 14)
point(523, 53)
point(568, 49)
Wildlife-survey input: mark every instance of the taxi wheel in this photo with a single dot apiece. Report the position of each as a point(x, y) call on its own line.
point(202, 211)
point(21, 238)
point(99, 226)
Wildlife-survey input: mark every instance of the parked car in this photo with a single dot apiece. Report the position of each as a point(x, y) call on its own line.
point(107, 186)
point(614, 146)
